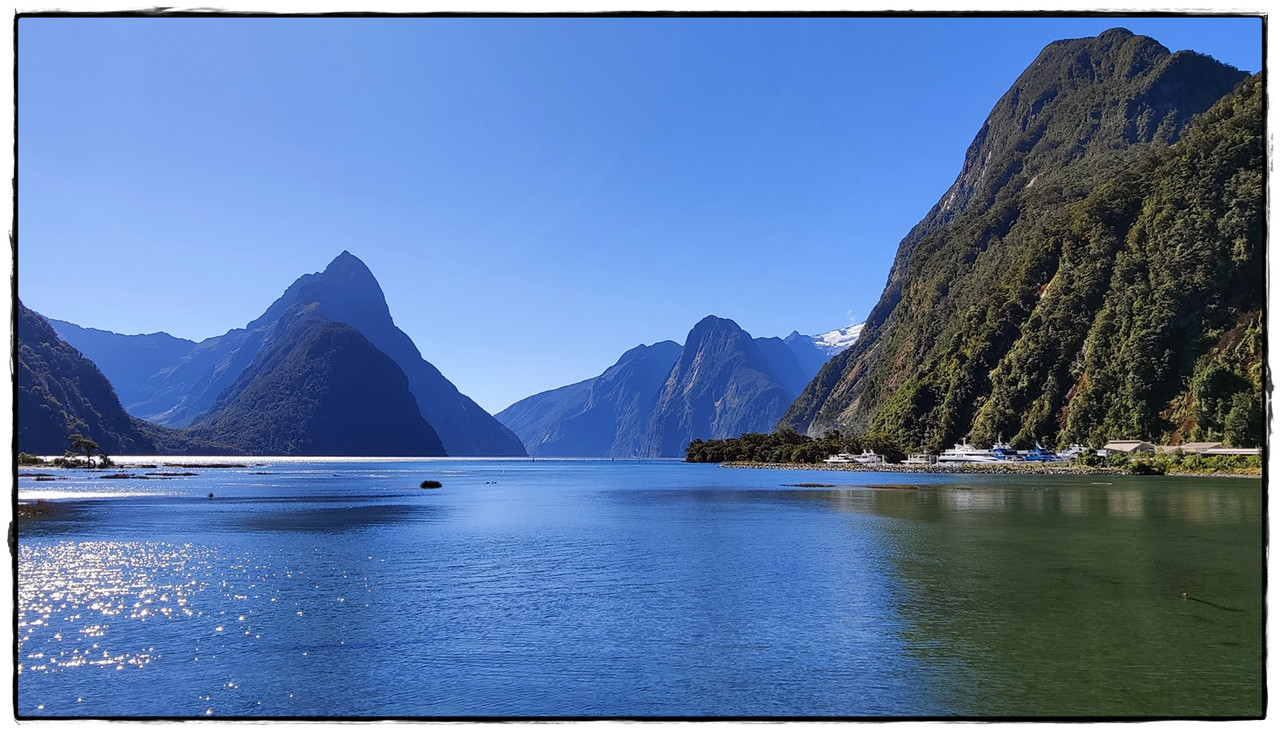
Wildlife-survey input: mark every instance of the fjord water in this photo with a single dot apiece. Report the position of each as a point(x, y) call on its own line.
point(597, 588)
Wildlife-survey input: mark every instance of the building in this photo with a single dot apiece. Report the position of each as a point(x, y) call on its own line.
point(1233, 451)
point(1126, 446)
point(1190, 447)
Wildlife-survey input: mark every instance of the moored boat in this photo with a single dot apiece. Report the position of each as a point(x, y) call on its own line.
point(867, 458)
point(965, 453)
point(1004, 452)
point(1040, 454)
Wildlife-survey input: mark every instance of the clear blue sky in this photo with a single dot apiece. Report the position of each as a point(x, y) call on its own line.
point(535, 195)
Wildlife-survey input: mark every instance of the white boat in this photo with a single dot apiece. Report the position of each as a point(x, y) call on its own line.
point(922, 459)
point(965, 453)
point(1070, 453)
point(867, 457)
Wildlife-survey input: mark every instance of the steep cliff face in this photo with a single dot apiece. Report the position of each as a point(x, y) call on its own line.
point(658, 398)
point(605, 416)
point(723, 384)
point(991, 270)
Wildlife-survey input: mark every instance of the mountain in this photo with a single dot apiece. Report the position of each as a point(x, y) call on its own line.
point(838, 340)
point(605, 416)
point(60, 392)
point(128, 361)
point(811, 352)
point(183, 390)
point(347, 292)
point(321, 388)
point(1066, 285)
point(658, 398)
point(723, 384)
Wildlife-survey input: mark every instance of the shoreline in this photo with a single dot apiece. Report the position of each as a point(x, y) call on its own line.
point(975, 468)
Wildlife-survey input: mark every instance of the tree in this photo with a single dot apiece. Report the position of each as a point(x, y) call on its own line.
point(81, 444)
point(1243, 425)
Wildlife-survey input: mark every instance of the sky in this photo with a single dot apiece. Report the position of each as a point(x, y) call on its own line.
point(534, 195)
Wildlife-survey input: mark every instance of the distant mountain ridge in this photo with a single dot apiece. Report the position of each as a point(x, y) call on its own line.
point(128, 361)
point(605, 416)
point(658, 398)
point(838, 340)
point(184, 390)
point(1037, 299)
point(60, 393)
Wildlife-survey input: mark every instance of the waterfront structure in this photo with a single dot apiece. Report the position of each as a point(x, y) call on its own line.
point(1126, 446)
point(1190, 447)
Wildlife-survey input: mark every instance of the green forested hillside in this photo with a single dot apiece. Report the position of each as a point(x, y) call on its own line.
point(1095, 272)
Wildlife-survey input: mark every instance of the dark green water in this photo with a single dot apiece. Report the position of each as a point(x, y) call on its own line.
point(1064, 598)
point(600, 589)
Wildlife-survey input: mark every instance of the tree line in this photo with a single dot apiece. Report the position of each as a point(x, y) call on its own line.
point(787, 445)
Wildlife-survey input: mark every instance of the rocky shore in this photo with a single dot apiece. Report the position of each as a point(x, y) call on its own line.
point(998, 468)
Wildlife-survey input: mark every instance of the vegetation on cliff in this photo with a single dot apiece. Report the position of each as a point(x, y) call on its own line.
point(1095, 272)
point(787, 445)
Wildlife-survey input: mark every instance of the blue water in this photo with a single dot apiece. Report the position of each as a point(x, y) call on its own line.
point(635, 589)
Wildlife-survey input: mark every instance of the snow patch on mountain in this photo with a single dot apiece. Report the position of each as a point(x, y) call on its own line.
point(837, 340)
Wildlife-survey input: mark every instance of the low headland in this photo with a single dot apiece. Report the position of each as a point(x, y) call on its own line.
point(785, 449)
point(996, 468)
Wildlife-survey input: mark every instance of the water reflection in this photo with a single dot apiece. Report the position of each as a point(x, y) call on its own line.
point(1065, 599)
point(350, 517)
point(645, 590)
point(1125, 503)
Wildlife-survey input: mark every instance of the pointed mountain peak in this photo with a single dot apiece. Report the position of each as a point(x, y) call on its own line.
point(349, 269)
point(346, 291)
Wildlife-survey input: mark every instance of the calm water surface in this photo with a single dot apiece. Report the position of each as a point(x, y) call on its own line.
point(580, 588)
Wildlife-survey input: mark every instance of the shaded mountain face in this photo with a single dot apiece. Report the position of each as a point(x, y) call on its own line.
point(128, 361)
point(724, 383)
point(320, 389)
point(648, 404)
point(60, 392)
point(605, 416)
point(997, 301)
point(345, 292)
point(809, 355)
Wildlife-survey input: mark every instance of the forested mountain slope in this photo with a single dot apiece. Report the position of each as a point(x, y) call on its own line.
point(1082, 279)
